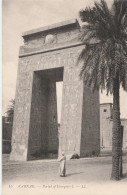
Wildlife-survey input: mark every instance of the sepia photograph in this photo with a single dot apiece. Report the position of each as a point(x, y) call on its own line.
point(64, 97)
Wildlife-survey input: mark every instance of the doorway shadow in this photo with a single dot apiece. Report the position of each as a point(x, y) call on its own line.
point(73, 174)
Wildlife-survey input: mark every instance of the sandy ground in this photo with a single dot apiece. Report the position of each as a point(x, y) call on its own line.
point(89, 176)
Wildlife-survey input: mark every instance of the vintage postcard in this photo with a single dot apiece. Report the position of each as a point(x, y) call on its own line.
point(64, 92)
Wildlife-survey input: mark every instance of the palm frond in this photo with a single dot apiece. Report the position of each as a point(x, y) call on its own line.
point(105, 37)
point(87, 15)
point(119, 10)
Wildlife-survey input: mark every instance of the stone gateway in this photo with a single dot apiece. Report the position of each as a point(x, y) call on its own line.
point(49, 55)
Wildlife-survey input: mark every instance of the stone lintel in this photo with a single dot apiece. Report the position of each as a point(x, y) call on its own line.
point(49, 50)
point(50, 27)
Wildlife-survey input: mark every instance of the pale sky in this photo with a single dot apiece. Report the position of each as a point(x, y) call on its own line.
point(23, 15)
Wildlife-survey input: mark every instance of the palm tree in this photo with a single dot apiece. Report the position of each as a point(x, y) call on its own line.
point(10, 110)
point(104, 60)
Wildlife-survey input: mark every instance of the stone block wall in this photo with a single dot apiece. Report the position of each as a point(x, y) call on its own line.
point(22, 112)
point(37, 116)
point(90, 134)
point(52, 121)
point(105, 125)
point(70, 128)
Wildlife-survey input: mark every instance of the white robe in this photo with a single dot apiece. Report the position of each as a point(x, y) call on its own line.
point(63, 166)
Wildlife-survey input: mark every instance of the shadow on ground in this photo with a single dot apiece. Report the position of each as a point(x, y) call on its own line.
point(124, 176)
point(73, 174)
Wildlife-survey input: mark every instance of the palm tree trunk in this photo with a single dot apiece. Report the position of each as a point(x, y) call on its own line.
point(121, 139)
point(116, 141)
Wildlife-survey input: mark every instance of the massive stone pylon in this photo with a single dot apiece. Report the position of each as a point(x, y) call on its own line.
point(49, 55)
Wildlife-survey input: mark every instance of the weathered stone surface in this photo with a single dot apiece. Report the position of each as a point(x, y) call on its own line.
point(35, 127)
point(106, 125)
point(90, 136)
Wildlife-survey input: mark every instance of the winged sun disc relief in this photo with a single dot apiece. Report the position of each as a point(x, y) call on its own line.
point(50, 39)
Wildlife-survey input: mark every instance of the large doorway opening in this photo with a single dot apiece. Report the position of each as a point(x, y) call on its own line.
point(45, 108)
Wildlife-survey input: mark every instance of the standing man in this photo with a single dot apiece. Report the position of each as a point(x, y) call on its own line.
point(63, 165)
